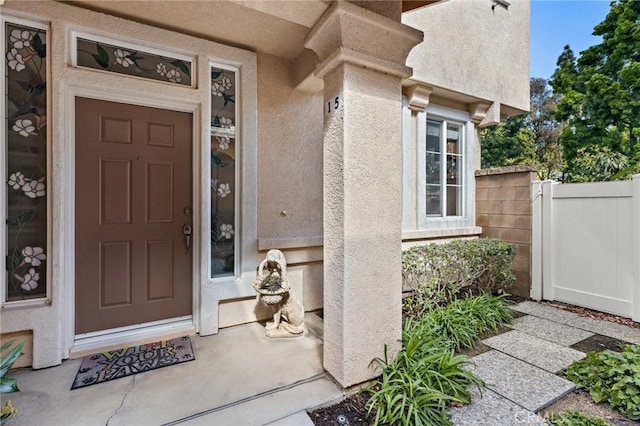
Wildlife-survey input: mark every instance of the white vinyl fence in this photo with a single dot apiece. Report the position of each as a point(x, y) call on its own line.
point(586, 245)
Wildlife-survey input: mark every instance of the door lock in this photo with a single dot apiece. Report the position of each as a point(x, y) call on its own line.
point(186, 231)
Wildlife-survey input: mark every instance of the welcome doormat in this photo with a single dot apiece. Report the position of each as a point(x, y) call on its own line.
point(125, 362)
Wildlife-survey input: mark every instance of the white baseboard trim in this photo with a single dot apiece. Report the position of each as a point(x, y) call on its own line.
point(121, 337)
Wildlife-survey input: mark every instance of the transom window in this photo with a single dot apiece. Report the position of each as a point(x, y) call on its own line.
point(444, 185)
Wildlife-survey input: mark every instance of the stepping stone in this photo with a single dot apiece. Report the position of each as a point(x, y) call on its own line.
point(607, 328)
point(544, 311)
point(542, 353)
point(549, 330)
point(530, 387)
point(491, 409)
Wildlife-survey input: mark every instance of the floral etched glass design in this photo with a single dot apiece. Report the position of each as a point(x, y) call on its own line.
point(107, 57)
point(26, 161)
point(223, 172)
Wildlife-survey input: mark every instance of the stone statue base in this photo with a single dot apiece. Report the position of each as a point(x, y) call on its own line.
point(277, 333)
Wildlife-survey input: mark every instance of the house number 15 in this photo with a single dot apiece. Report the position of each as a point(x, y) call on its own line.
point(333, 105)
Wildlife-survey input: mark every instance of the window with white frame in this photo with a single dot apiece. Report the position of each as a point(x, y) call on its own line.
point(438, 162)
point(444, 183)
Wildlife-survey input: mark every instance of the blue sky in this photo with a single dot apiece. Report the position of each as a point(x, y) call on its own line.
point(555, 23)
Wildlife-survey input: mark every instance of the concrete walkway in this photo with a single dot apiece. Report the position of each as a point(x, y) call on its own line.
point(520, 369)
point(239, 377)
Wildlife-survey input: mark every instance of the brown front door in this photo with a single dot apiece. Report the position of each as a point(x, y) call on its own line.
point(133, 197)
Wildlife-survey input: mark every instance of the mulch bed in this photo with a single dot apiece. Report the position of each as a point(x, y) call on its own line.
point(598, 343)
point(352, 411)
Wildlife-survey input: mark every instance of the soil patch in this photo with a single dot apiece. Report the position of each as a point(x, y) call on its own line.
point(352, 411)
point(597, 343)
point(580, 401)
point(480, 348)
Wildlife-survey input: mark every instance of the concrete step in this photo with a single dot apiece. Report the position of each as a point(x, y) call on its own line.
point(301, 418)
point(278, 407)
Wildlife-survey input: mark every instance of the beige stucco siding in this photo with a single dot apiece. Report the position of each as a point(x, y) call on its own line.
point(473, 49)
point(290, 132)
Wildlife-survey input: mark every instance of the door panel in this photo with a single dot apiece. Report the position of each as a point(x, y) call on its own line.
point(159, 192)
point(133, 181)
point(115, 274)
point(115, 191)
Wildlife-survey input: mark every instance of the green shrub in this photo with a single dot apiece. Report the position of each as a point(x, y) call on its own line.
point(437, 272)
point(420, 383)
point(573, 418)
point(8, 384)
point(612, 377)
point(426, 376)
point(463, 321)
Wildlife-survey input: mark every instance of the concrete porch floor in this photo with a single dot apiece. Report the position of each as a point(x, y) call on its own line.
point(239, 377)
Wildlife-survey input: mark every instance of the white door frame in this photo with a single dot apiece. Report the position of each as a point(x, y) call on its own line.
point(80, 343)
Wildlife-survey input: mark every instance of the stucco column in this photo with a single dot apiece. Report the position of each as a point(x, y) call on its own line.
point(362, 56)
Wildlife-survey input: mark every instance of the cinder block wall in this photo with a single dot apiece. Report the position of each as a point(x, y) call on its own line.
point(503, 210)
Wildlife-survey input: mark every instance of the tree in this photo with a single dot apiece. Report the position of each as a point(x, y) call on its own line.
point(600, 91)
point(506, 144)
point(527, 139)
point(596, 163)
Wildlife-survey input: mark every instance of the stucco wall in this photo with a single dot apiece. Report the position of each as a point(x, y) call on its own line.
point(474, 50)
point(503, 210)
point(290, 132)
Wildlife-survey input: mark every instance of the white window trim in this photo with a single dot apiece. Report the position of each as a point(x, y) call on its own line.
point(240, 284)
point(415, 217)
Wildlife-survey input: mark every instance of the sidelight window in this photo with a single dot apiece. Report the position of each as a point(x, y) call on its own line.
point(24, 149)
point(224, 193)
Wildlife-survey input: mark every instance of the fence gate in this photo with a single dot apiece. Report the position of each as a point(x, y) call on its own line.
point(586, 245)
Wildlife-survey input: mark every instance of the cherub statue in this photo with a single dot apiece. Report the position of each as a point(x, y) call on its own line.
point(274, 290)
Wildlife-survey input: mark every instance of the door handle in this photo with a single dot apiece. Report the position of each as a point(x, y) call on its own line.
point(186, 231)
